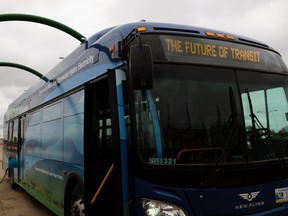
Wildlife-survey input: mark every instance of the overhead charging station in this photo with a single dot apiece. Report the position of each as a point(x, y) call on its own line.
point(40, 20)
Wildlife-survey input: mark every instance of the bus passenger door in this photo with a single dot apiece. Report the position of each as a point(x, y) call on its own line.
point(103, 188)
point(21, 135)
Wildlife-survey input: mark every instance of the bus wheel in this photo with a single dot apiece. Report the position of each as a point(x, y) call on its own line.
point(76, 201)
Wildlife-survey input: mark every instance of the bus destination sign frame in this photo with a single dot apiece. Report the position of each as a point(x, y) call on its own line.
point(212, 52)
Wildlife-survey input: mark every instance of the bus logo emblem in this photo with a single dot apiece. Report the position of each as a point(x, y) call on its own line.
point(249, 196)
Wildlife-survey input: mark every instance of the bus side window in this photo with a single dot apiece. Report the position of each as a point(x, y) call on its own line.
point(12, 136)
point(33, 134)
point(105, 132)
point(73, 128)
point(15, 135)
point(10, 132)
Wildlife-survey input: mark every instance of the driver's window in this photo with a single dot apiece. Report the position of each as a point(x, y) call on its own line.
point(277, 111)
point(258, 106)
point(269, 107)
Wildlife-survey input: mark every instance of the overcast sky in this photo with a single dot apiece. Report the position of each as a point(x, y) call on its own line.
point(39, 47)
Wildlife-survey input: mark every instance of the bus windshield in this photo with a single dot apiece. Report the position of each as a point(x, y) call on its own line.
point(207, 115)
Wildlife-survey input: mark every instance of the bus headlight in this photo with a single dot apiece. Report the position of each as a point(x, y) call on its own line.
point(157, 208)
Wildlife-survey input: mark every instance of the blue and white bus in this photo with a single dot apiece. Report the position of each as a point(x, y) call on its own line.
point(157, 120)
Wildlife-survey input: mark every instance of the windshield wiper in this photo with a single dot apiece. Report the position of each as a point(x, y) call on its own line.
point(233, 127)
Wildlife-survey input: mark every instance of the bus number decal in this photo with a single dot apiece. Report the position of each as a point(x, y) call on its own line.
point(162, 160)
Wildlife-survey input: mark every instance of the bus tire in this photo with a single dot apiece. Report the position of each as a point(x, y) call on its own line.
point(76, 204)
point(13, 185)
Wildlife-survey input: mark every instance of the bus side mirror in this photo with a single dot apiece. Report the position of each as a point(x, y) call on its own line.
point(141, 67)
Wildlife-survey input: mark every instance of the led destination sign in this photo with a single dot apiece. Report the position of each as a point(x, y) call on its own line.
point(208, 51)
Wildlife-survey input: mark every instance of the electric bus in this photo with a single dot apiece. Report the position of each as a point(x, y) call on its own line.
point(155, 119)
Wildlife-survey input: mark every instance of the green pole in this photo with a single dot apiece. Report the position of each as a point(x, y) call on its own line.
point(9, 64)
point(42, 20)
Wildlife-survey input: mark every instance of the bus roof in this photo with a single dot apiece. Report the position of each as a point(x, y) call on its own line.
point(96, 49)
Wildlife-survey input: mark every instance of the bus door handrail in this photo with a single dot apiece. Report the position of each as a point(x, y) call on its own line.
point(102, 183)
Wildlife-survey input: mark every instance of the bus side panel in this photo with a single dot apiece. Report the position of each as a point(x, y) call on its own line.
point(46, 181)
point(53, 150)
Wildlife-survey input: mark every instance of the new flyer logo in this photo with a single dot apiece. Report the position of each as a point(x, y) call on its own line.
point(281, 195)
point(249, 200)
point(249, 196)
